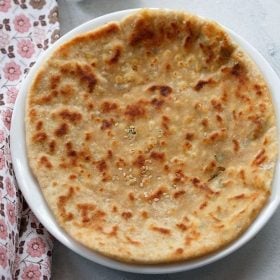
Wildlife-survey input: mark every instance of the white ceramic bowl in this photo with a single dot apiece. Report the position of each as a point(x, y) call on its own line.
point(35, 199)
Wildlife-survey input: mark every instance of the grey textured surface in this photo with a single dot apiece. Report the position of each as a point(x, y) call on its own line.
point(259, 23)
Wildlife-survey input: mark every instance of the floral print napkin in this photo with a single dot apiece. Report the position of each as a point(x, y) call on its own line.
point(27, 28)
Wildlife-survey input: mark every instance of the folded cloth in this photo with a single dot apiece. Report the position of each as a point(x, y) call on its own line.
point(27, 28)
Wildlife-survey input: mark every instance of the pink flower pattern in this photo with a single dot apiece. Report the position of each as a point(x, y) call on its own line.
point(2, 136)
point(6, 118)
point(26, 48)
point(4, 38)
point(9, 187)
point(5, 5)
point(12, 71)
point(3, 229)
point(3, 257)
point(26, 29)
point(2, 160)
point(31, 272)
point(12, 95)
point(36, 247)
point(10, 211)
point(22, 23)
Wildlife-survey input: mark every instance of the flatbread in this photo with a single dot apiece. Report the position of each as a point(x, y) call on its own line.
point(153, 139)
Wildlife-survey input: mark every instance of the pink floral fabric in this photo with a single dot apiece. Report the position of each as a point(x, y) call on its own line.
point(27, 28)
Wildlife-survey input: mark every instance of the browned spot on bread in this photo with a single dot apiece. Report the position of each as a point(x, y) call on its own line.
point(225, 53)
point(157, 156)
point(192, 236)
point(72, 176)
point(39, 125)
point(179, 251)
point(164, 90)
point(40, 137)
point(109, 154)
point(165, 121)
point(157, 194)
point(258, 90)
point(203, 186)
point(239, 196)
point(236, 145)
point(192, 30)
point(71, 116)
point(32, 114)
point(217, 171)
point(259, 125)
point(189, 136)
point(62, 130)
point(187, 145)
point(61, 204)
point(87, 76)
point(83, 72)
point(68, 145)
point(182, 227)
point(90, 214)
point(139, 161)
point(107, 124)
point(157, 103)
point(88, 136)
point(114, 209)
point(219, 118)
point(178, 194)
point(224, 97)
point(116, 55)
point(90, 106)
point(66, 91)
point(45, 162)
point(217, 105)
point(52, 146)
point(127, 215)
point(214, 217)
point(260, 157)
point(161, 230)
point(242, 175)
point(142, 33)
point(215, 136)
point(120, 162)
point(114, 231)
point(203, 205)
point(54, 81)
point(144, 214)
point(210, 167)
point(166, 167)
point(135, 111)
point(101, 165)
point(208, 52)
point(107, 106)
point(180, 177)
point(202, 83)
point(205, 123)
point(131, 196)
point(46, 99)
point(238, 70)
point(133, 242)
point(265, 141)
point(72, 153)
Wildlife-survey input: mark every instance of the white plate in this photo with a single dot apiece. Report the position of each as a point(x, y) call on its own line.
point(35, 199)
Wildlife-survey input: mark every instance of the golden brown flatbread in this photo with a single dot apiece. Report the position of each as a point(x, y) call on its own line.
point(153, 139)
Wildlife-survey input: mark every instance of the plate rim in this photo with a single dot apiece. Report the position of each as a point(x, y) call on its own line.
point(27, 182)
